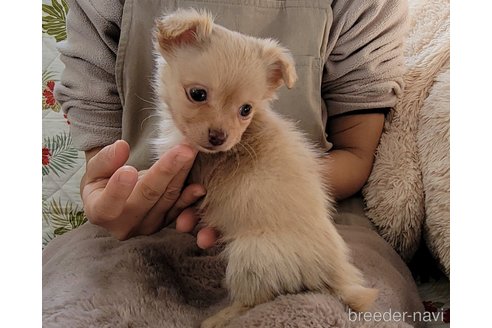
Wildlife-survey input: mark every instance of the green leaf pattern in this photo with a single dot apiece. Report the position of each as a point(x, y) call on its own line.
point(62, 155)
point(54, 20)
point(65, 216)
point(61, 218)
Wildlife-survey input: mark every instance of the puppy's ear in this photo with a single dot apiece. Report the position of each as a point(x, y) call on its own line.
point(181, 28)
point(280, 66)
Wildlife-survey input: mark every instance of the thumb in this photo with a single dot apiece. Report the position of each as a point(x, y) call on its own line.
point(107, 161)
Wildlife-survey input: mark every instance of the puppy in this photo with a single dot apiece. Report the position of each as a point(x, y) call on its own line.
point(263, 179)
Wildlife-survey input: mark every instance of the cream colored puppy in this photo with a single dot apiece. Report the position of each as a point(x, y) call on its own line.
point(263, 179)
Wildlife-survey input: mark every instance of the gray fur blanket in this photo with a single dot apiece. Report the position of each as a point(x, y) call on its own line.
point(165, 280)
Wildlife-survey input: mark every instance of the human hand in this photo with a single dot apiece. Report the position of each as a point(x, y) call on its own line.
point(116, 198)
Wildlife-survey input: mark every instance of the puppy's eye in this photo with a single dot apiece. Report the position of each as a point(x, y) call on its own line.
point(245, 110)
point(197, 94)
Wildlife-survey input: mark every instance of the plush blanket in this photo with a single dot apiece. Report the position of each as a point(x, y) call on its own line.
point(433, 143)
point(408, 190)
point(92, 280)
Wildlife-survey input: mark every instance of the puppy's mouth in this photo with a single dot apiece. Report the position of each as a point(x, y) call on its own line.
point(212, 149)
point(205, 146)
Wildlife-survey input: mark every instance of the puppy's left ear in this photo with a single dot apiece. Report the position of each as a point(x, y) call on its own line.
point(184, 27)
point(280, 66)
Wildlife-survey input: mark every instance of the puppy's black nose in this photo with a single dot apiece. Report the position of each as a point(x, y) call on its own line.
point(216, 137)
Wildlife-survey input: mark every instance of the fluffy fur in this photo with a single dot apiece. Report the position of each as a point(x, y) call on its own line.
point(264, 185)
point(407, 186)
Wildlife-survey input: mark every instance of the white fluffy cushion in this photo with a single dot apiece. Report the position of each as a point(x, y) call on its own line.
point(403, 182)
point(433, 145)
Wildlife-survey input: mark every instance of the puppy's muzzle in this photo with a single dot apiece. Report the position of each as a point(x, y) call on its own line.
point(216, 137)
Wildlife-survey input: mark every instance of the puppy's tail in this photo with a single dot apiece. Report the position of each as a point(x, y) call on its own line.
point(359, 298)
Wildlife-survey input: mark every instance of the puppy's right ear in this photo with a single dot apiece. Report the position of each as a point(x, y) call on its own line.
point(184, 27)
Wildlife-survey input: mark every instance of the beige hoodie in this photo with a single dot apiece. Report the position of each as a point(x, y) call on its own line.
point(348, 54)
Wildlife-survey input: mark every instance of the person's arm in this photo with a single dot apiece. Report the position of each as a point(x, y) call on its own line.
point(363, 72)
point(354, 138)
point(87, 90)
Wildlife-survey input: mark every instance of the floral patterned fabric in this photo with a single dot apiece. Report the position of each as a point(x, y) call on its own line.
point(62, 164)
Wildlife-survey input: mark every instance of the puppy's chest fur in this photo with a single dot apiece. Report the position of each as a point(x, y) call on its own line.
point(264, 184)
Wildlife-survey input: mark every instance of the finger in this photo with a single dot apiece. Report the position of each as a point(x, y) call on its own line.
point(107, 203)
point(154, 183)
point(187, 220)
point(157, 218)
point(157, 182)
point(107, 161)
point(206, 238)
point(157, 215)
point(190, 195)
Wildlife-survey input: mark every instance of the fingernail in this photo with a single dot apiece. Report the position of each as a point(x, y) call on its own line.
point(126, 177)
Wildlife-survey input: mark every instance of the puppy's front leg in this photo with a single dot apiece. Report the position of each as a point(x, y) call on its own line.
point(224, 316)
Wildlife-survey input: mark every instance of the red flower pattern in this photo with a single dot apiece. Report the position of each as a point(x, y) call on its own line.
point(46, 156)
point(48, 93)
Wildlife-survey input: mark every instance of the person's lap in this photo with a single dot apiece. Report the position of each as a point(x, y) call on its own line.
point(90, 277)
point(351, 212)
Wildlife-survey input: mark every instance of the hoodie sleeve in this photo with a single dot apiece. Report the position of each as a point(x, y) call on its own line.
point(87, 91)
point(365, 64)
